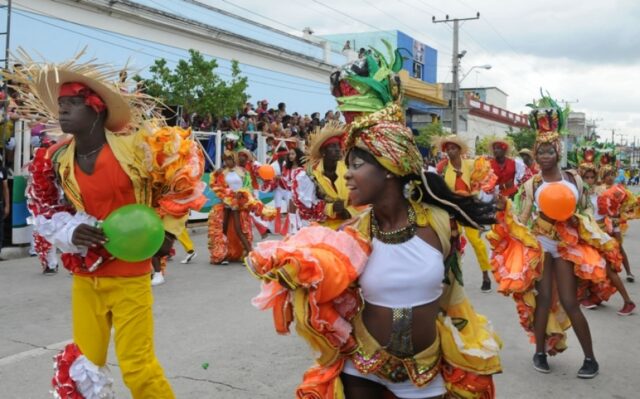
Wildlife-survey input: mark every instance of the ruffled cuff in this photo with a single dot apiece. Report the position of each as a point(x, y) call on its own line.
point(58, 230)
point(75, 376)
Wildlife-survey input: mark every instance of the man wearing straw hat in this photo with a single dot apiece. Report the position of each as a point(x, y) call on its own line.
point(110, 161)
point(467, 176)
point(504, 167)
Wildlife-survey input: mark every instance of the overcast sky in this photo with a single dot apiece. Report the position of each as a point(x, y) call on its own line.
point(577, 50)
point(587, 50)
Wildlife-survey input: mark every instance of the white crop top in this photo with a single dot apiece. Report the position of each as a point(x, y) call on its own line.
point(564, 182)
point(402, 275)
point(233, 180)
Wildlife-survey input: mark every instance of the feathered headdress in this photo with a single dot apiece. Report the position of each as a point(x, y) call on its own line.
point(369, 94)
point(549, 120)
point(369, 84)
point(607, 159)
point(585, 157)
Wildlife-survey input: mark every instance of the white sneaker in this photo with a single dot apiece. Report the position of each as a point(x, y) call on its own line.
point(157, 279)
point(190, 256)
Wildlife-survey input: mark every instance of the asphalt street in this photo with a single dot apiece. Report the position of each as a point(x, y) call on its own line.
point(213, 344)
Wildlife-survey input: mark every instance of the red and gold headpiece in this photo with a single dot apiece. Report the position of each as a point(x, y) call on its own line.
point(549, 121)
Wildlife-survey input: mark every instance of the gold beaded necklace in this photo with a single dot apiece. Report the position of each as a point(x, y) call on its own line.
point(397, 236)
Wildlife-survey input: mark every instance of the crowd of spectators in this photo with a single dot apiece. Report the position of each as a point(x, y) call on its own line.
point(273, 123)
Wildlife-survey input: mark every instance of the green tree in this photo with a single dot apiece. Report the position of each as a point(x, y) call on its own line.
point(428, 133)
point(525, 138)
point(195, 85)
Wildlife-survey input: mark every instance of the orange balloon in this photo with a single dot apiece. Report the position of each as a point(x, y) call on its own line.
point(557, 202)
point(266, 172)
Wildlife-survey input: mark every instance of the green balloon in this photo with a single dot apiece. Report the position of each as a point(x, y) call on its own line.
point(135, 233)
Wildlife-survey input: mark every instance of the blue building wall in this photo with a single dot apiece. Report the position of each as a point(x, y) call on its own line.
point(430, 64)
point(429, 58)
point(405, 43)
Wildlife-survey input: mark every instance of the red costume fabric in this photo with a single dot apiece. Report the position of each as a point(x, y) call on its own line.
point(75, 89)
point(506, 173)
point(101, 199)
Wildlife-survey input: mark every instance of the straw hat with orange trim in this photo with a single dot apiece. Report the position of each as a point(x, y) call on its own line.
point(39, 86)
point(441, 143)
point(504, 142)
point(333, 130)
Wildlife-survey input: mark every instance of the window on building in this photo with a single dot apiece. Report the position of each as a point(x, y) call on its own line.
point(417, 70)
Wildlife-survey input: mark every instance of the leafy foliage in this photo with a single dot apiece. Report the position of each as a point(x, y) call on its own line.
point(196, 86)
point(428, 133)
point(525, 138)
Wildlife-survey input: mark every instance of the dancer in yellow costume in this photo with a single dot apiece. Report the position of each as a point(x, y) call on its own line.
point(114, 157)
point(469, 177)
point(381, 300)
point(538, 260)
point(326, 168)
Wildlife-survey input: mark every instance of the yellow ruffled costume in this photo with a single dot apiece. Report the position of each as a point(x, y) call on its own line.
point(311, 278)
point(517, 257)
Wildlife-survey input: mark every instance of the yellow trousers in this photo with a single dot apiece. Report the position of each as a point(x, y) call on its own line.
point(473, 235)
point(98, 303)
point(185, 240)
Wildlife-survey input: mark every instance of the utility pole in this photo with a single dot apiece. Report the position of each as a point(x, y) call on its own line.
point(613, 136)
point(455, 60)
point(5, 89)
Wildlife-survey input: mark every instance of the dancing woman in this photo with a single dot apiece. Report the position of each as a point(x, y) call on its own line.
point(230, 234)
point(538, 259)
point(614, 202)
point(381, 300)
point(608, 201)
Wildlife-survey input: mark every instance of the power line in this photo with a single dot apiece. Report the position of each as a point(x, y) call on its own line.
point(148, 44)
point(346, 15)
point(251, 79)
point(245, 21)
point(295, 29)
point(400, 21)
point(501, 36)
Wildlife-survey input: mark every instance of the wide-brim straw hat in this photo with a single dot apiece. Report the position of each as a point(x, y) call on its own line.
point(320, 136)
point(39, 86)
point(526, 151)
point(442, 141)
point(499, 140)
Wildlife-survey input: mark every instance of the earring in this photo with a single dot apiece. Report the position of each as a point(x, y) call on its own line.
point(389, 176)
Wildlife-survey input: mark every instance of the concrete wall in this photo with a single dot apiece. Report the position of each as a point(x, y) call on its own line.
point(496, 97)
point(480, 127)
point(489, 95)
